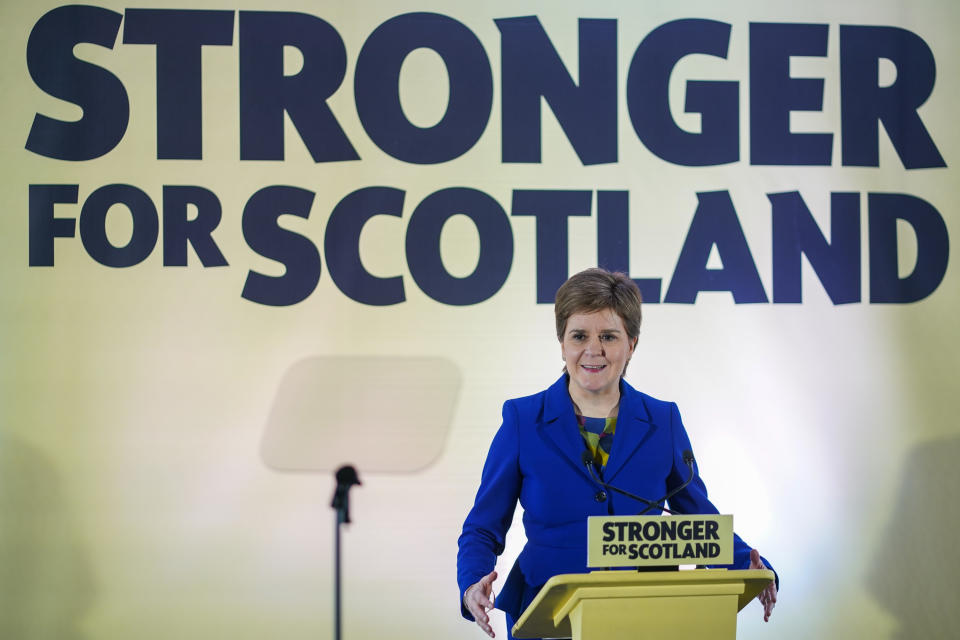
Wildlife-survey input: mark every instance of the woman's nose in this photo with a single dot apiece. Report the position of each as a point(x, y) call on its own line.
point(594, 345)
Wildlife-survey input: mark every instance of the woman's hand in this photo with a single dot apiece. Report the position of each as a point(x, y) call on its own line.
point(478, 599)
point(768, 597)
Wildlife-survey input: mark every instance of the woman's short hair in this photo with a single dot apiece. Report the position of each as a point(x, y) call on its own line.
point(595, 290)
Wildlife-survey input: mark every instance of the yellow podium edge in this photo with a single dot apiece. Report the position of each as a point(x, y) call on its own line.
point(555, 600)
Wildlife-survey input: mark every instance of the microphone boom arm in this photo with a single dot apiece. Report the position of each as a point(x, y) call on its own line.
point(689, 460)
point(588, 463)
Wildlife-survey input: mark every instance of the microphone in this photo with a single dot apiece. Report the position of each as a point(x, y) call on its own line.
point(587, 460)
point(346, 478)
point(688, 460)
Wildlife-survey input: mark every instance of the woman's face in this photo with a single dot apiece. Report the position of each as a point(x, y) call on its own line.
point(596, 349)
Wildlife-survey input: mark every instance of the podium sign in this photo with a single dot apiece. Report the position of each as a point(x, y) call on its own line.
point(628, 605)
point(636, 541)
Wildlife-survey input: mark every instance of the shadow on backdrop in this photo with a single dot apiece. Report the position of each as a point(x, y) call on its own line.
point(915, 568)
point(382, 414)
point(45, 580)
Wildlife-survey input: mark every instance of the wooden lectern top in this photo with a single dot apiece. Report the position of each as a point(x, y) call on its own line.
point(548, 616)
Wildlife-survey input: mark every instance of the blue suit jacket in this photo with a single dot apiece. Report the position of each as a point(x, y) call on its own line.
point(536, 458)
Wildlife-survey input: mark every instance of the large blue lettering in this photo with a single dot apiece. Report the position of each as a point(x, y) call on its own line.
point(863, 101)
point(264, 235)
point(266, 93)
point(44, 227)
point(341, 245)
point(93, 217)
point(715, 223)
point(795, 233)
point(423, 246)
point(179, 36)
point(613, 240)
point(99, 93)
point(551, 208)
point(376, 91)
point(717, 102)
point(531, 70)
point(933, 248)
point(179, 229)
point(774, 94)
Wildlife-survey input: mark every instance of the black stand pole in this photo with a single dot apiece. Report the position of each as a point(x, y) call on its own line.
point(346, 478)
point(336, 581)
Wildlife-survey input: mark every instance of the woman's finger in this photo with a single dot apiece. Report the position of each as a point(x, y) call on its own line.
point(487, 629)
point(479, 599)
point(487, 581)
point(769, 601)
point(483, 620)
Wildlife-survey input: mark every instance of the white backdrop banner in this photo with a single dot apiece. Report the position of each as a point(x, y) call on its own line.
point(244, 244)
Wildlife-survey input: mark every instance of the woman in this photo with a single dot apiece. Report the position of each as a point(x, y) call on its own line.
point(537, 456)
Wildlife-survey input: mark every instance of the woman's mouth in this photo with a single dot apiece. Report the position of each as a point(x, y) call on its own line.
point(594, 368)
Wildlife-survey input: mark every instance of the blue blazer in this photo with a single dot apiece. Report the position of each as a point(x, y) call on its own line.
point(536, 458)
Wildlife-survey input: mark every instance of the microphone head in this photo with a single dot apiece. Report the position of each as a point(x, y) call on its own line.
point(347, 476)
point(688, 456)
point(586, 458)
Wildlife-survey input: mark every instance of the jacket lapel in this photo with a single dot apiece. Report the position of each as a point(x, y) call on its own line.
point(633, 429)
point(560, 427)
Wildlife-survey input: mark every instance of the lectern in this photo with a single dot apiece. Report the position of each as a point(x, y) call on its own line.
point(621, 605)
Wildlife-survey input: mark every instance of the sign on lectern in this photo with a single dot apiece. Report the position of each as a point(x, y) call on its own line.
point(638, 541)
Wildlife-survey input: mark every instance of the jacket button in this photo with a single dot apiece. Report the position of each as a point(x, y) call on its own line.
point(601, 496)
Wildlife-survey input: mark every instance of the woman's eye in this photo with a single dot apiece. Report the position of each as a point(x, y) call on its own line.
point(577, 336)
point(608, 337)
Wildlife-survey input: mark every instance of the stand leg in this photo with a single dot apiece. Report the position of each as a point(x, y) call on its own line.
point(336, 581)
point(346, 478)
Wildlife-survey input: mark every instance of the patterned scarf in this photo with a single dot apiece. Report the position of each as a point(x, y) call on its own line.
point(598, 435)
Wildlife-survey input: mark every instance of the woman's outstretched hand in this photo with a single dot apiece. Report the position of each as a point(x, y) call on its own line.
point(767, 597)
point(478, 599)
